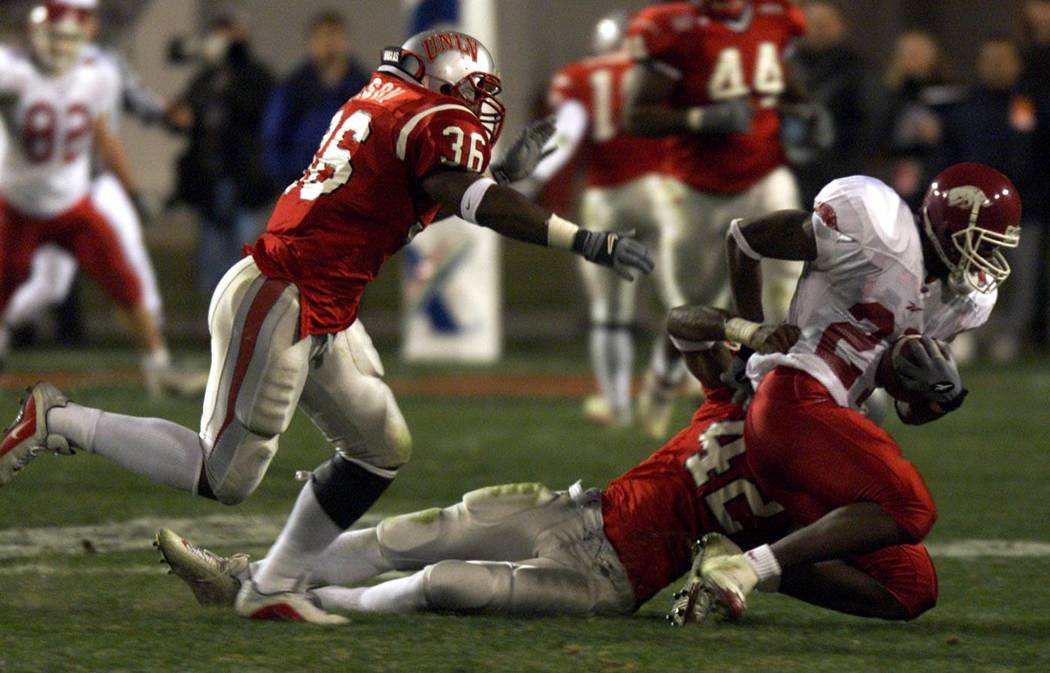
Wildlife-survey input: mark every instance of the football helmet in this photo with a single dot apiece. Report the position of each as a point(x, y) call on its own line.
point(456, 65)
point(609, 32)
point(970, 213)
point(58, 32)
point(724, 10)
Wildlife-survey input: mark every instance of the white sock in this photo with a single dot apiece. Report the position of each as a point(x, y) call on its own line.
point(599, 348)
point(763, 562)
point(159, 358)
point(157, 449)
point(621, 362)
point(307, 533)
point(669, 374)
point(398, 596)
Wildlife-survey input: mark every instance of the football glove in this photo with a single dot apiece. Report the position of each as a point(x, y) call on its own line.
point(525, 153)
point(732, 116)
point(805, 130)
point(931, 371)
point(619, 252)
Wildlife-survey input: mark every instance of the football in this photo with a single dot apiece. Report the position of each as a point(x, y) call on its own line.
point(900, 350)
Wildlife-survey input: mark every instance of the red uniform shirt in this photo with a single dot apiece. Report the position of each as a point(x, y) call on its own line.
point(698, 483)
point(716, 61)
point(598, 83)
point(362, 199)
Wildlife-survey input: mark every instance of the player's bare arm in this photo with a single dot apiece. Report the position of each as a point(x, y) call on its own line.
point(785, 234)
point(505, 211)
point(115, 157)
point(648, 113)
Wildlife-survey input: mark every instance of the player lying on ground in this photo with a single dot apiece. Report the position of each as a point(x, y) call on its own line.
point(412, 144)
point(56, 108)
point(524, 550)
point(874, 272)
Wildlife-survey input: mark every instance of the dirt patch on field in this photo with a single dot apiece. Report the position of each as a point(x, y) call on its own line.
point(443, 385)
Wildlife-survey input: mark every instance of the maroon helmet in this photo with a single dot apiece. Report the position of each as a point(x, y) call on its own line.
point(724, 10)
point(970, 213)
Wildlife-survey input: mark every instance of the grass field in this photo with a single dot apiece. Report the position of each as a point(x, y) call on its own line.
point(81, 591)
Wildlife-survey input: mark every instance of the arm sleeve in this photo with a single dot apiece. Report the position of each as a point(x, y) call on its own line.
point(652, 43)
point(451, 137)
point(571, 126)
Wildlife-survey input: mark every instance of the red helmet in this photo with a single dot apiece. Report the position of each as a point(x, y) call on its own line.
point(970, 213)
point(725, 10)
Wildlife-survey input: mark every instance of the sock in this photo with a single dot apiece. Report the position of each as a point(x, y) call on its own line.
point(160, 450)
point(621, 363)
point(763, 562)
point(397, 596)
point(669, 372)
point(159, 358)
point(307, 533)
point(599, 347)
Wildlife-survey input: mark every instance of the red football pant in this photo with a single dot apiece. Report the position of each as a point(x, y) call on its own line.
point(81, 230)
point(812, 456)
point(907, 572)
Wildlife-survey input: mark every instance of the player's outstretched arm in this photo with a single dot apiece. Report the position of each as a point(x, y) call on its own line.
point(647, 112)
point(481, 201)
point(785, 234)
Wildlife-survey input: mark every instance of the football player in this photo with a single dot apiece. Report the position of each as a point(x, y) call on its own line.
point(623, 183)
point(56, 109)
point(53, 269)
point(414, 143)
point(524, 550)
point(712, 76)
point(874, 272)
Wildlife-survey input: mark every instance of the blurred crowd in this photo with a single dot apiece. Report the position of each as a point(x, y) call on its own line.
point(922, 114)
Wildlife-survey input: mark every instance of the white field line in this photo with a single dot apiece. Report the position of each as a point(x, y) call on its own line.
point(230, 533)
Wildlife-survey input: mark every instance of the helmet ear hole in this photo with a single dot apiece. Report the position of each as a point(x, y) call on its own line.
point(446, 89)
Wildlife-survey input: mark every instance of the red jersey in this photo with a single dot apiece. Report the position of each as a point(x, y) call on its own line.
point(362, 199)
point(698, 483)
point(599, 84)
point(714, 61)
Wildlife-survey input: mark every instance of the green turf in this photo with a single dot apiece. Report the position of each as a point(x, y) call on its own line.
point(988, 466)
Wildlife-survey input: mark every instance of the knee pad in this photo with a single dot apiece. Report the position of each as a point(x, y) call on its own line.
point(236, 465)
point(507, 588)
point(345, 489)
point(400, 535)
point(493, 503)
point(270, 411)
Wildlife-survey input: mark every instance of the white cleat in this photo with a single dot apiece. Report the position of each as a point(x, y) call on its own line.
point(174, 380)
point(28, 437)
point(720, 580)
point(213, 579)
point(283, 606)
point(655, 406)
point(598, 411)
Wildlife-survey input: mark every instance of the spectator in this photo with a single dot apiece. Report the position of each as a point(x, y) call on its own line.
point(302, 107)
point(996, 125)
point(221, 174)
point(1036, 82)
point(916, 88)
point(836, 76)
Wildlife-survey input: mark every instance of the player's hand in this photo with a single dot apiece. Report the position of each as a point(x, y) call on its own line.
point(731, 116)
point(526, 152)
point(814, 127)
point(620, 252)
point(775, 338)
point(930, 370)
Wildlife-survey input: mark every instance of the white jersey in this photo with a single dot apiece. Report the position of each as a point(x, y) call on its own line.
point(866, 287)
point(50, 127)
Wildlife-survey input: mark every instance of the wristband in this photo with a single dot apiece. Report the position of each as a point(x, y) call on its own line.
point(689, 346)
point(560, 232)
point(472, 198)
point(740, 330)
point(694, 119)
point(741, 242)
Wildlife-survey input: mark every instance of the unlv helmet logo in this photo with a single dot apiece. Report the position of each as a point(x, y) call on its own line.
point(441, 42)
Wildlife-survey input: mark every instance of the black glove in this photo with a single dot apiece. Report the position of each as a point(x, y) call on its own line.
point(525, 153)
point(732, 116)
point(933, 374)
point(142, 209)
point(620, 252)
point(735, 376)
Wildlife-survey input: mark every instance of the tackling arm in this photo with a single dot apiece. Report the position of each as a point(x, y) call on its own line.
point(505, 211)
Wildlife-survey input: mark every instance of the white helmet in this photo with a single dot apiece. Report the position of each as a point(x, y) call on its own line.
point(609, 32)
point(58, 32)
point(457, 65)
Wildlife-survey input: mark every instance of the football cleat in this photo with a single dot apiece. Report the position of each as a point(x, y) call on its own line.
point(720, 580)
point(283, 606)
point(174, 380)
point(655, 406)
point(598, 411)
point(213, 579)
point(28, 437)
